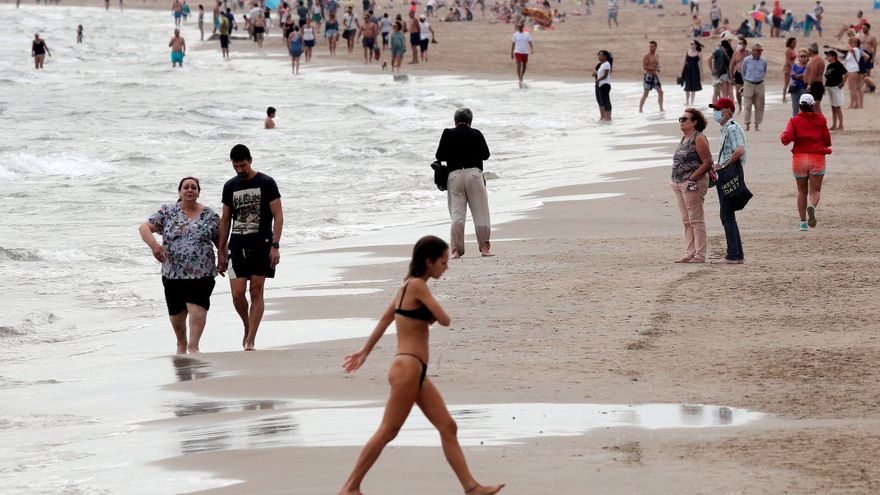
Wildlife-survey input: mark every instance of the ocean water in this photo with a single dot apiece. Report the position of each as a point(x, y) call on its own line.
point(96, 142)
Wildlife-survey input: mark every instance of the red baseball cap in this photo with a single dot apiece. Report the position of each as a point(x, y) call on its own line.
point(723, 103)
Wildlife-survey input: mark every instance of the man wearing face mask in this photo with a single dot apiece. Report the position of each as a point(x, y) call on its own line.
point(733, 150)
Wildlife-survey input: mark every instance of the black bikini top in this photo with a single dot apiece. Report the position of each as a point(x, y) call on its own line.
point(420, 313)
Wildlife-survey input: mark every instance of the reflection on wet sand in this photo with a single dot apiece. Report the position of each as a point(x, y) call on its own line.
point(485, 424)
point(187, 368)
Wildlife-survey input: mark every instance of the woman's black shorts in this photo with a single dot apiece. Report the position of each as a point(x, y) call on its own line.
point(179, 292)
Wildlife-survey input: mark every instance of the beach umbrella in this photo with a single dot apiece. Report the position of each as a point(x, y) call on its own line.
point(272, 4)
point(759, 16)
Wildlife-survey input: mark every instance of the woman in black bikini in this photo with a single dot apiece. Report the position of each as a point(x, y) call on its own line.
point(407, 374)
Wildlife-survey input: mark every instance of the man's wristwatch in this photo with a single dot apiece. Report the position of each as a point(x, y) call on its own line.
point(276, 245)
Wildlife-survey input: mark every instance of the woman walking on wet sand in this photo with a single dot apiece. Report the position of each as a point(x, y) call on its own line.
point(408, 372)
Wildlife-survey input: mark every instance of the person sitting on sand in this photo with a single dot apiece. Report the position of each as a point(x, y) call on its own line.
point(269, 123)
point(407, 375)
point(189, 231)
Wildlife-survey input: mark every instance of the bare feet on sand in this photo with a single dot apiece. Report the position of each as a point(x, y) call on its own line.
point(484, 490)
point(456, 255)
point(486, 253)
point(181, 348)
point(350, 492)
point(192, 349)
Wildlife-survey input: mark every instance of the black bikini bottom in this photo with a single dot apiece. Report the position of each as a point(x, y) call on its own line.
point(424, 366)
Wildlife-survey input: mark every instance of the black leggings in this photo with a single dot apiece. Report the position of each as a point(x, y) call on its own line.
point(603, 97)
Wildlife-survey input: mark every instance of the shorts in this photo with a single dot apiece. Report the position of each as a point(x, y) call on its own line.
point(397, 52)
point(651, 81)
point(777, 22)
point(349, 33)
point(835, 95)
point(715, 23)
point(224, 41)
point(384, 39)
point(368, 42)
point(423, 44)
point(415, 39)
point(259, 30)
point(179, 292)
point(309, 43)
point(250, 262)
point(612, 16)
point(521, 57)
point(817, 90)
point(177, 58)
point(178, 15)
point(738, 78)
point(804, 165)
point(316, 18)
point(330, 33)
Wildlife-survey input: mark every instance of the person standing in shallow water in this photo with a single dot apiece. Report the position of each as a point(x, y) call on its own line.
point(39, 49)
point(189, 232)
point(408, 373)
point(252, 208)
point(178, 49)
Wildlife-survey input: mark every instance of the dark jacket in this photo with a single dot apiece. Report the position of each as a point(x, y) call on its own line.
point(462, 147)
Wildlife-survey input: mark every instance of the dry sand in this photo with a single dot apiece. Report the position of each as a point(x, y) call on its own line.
point(590, 308)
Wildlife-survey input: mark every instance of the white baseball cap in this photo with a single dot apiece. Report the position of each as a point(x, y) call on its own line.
point(807, 99)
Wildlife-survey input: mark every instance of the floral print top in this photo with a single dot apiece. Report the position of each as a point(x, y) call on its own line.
point(189, 244)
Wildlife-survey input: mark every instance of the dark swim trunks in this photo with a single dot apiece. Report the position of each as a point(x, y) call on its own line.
point(415, 39)
point(738, 78)
point(369, 42)
point(817, 90)
point(179, 292)
point(224, 41)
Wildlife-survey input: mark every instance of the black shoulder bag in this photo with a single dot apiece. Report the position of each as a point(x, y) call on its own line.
point(441, 174)
point(732, 184)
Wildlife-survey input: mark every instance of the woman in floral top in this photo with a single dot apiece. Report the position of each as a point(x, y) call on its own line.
point(189, 233)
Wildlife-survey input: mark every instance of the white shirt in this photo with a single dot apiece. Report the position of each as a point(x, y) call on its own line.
point(424, 30)
point(254, 13)
point(348, 22)
point(852, 61)
point(521, 42)
point(606, 69)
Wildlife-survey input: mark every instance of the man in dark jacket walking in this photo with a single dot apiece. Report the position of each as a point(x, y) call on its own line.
point(464, 148)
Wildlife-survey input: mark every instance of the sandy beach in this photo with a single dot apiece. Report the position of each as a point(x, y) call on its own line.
point(602, 315)
point(583, 305)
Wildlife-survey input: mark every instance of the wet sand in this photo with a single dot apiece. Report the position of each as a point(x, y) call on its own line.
point(589, 308)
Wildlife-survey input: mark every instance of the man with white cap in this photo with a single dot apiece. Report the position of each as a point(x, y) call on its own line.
point(426, 33)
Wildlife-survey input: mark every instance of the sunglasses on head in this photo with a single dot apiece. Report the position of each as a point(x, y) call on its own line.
point(682, 120)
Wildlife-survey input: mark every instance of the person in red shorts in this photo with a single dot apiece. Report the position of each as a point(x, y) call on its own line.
point(519, 51)
point(808, 131)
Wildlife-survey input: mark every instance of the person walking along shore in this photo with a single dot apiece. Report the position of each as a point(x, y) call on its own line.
point(808, 131)
point(252, 213)
point(189, 232)
point(464, 148)
point(407, 375)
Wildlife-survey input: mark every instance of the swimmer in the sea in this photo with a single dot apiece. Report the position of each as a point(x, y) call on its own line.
point(270, 118)
point(178, 49)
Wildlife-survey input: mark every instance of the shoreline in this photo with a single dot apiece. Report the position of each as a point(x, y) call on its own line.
point(600, 320)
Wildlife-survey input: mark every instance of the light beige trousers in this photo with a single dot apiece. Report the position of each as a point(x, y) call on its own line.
point(467, 188)
point(690, 206)
point(753, 94)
